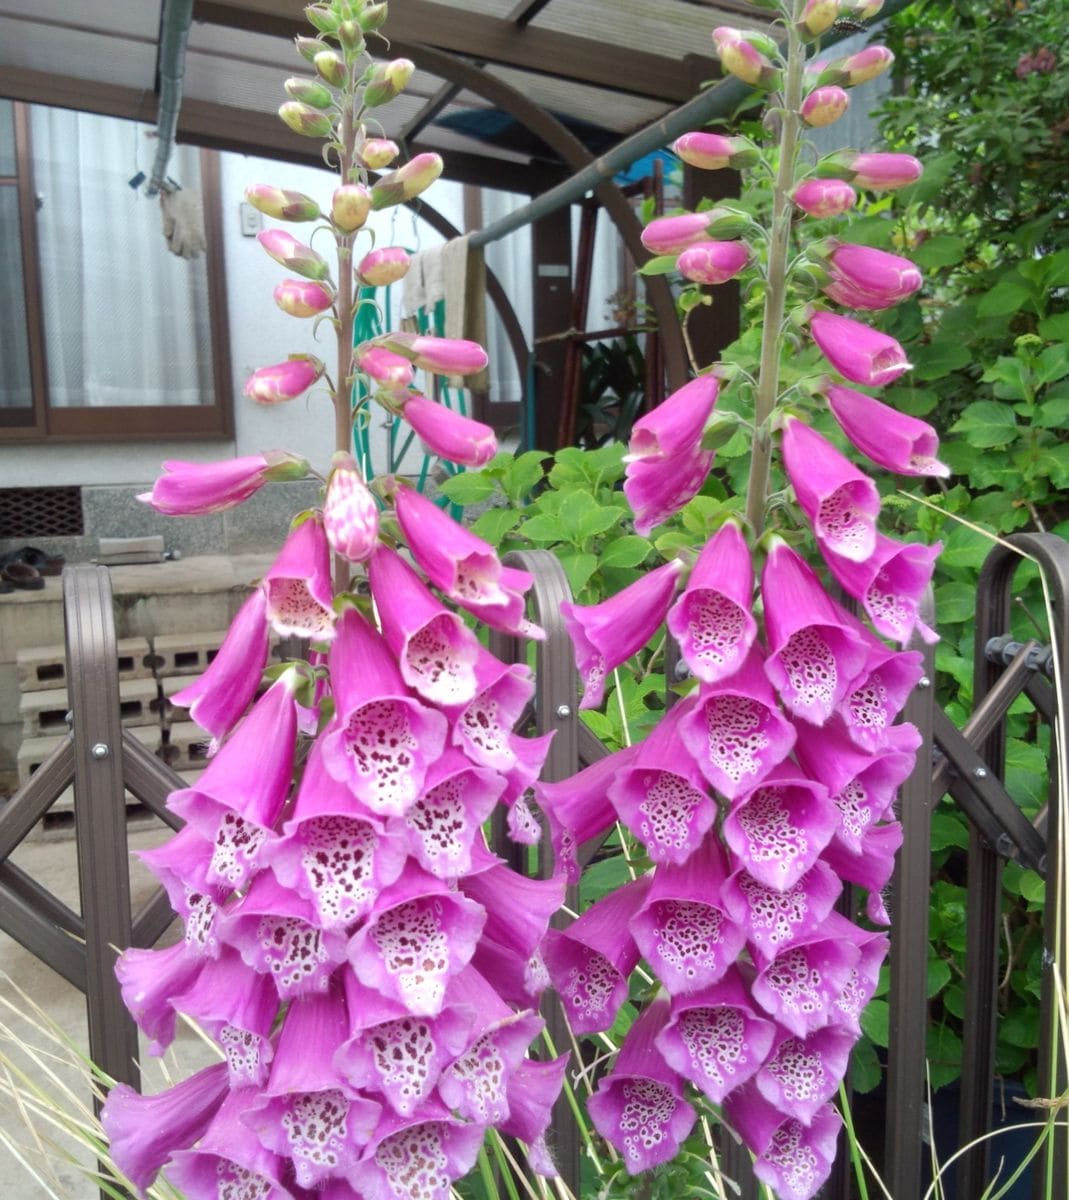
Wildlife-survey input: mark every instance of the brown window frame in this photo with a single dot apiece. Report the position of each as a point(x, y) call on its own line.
point(124, 423)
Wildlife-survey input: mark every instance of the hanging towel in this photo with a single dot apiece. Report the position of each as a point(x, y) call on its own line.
point(464, 286)
point(413, 292)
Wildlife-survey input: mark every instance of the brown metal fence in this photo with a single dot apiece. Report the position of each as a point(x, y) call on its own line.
point(101, 761)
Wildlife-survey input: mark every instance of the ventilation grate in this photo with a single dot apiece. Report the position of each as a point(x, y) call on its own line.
point(41, 512)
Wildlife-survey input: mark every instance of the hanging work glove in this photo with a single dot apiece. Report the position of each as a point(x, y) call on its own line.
point(183, 223)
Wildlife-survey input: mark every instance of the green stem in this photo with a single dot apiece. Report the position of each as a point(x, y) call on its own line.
point(851, 1141)
point(779, 246)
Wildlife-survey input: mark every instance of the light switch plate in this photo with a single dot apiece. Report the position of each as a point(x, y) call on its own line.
point(251, 219)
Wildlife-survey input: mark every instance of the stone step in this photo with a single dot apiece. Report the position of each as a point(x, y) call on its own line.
point(44, 668)
point(186, 747)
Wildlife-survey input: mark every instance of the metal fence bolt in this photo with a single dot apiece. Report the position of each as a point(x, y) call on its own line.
point(100, 750)
point(979, 772)
point(924, 682)
point(563, 711)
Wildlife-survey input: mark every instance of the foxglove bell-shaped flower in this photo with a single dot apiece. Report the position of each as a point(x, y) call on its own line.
point(590, 961)
point(639, 1105)
point(872, 867)
point(774, 917)
point(824, 197)
point(482, 728)
point(858, 352)
point(711, 262)
point(182, 865)
point(236, 808)
point(435, 650)
point(866, 278)
point(803, 1074)
point(229, 1160)
point(218, 699)
point(475, 1085)
point(236, 1007)
point(532, 1091)
point(300, 597)
point(864, 978)
point(418, 935)
point(446, 820)
point(278, 935)
point(144, 1131)
point(392, 1053)
point(350, 514)
point(518, 908)
point(792, 1158)
point(149, 980)
point(657, 488)
point(735, 730)
point(814, 651)
point(879, 693)
point(450, 434)
point(841, 502)
point(714, 1038)
point(188, 489)
point(682, 929)
point(662, 796)
point(891, 585)
point(605, 635)
point(307, 1113)
point(382, 740)
point(778, 830)
point(891, 439)
point(711, 620)
point(800, 986)
point(675, 426)
point(335, 855)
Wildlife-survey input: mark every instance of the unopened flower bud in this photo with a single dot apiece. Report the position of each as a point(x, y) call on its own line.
point(446, 356)
point(373, 17)
point(878, 172)
point(860, 10)
point(309, 91)
point(351, 36)
point(322, 17)
point(855, 68)
point(350, 514)
point(387, 81)
point(377, 153)
point(308, 47)
point(305, 120)
point(711, 151)
point(393, 371)
point(713, 262)
point(281, 203)
point(406, 182)
point(284, 381)
point(670, 235)
point(350, 206)
point(382, 267)
point(332, 68)
point(303, 297)
point(740, 57)
point(824, 197)
point(824, 106)
point(866, 278)
point(292, 254)
point(817, 17)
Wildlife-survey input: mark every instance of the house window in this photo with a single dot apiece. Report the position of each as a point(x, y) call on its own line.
point(104, 333)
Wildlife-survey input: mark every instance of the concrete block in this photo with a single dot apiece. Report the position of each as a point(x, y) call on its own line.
point(41, 668)
point(169, 713)
point(185, 747)
point(45, 713)
point(184, 653)
point(33, 751)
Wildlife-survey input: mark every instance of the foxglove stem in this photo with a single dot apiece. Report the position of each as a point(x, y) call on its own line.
point(776, 290)
point(343, 413)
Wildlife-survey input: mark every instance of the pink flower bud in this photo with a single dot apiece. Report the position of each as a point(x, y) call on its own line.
point(377, 153)
point(302, 297)
point(739, 57)
point(281, 203)
point(711, 151)
point(824, 197)
point(670, 235)
point(330, 65)
point(713, 262)
point(866, 64)
point(879, 172)
point(406, 182)
point(446, 356)
point(862, 277)
point(824, 106)
point(350, 206)
point(387, 81)
point(450, 434)
point(818, 16)
point(860, 10)
point(285, 380)
point(858, 352)
point(192, 489)
point(309, 91)
point(391, 370)
point(383, 267)
point(350, 514)
point(292, 254)
point(305, 120)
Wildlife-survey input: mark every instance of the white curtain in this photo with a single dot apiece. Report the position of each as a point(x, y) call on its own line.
point(126, 321)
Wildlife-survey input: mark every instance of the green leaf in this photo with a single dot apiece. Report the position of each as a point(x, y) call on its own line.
point(523, 474)
point(939, 358)
point(1006, 297)
point(603, 877)
point(1053, 364)
point(865, 1069)
point(1020, 1028)
point(955, 602)
point(1027, 774)
point(1033, 887)
point(495, 523)
point(599, 520)
point(469, 487)
point(942, 250)
point(544, 528)
point(938, 976)
point(944, 1055)
point(875, 1021)
point(627, 551)
point(578, 568)
point(986, 423)
point(1054, 328)
point(1053, 414)
point(949, 829)
point(663, 264)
